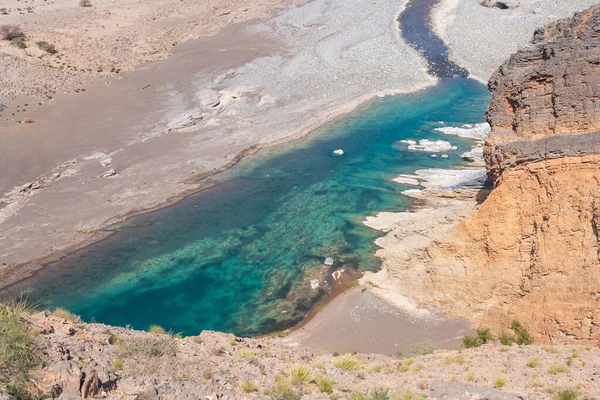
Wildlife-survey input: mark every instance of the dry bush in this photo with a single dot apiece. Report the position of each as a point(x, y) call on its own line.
point(148, 354)
point(10, 32)
point(47, 47)
point(85, 3)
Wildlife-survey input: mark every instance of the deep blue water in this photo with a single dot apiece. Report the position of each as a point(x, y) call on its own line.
point(232, 258)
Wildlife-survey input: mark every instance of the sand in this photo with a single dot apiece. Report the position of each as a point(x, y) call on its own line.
point(364, 322)
point(480, 39)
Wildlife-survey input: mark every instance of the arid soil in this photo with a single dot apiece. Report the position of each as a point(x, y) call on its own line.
point(98, 360)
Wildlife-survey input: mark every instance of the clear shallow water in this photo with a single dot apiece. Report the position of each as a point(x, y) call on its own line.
point(232, 258)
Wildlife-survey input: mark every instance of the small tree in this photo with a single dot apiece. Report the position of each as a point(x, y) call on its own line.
point(10, 32)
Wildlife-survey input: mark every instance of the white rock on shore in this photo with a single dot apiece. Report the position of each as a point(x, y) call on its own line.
point(427, 145)
point(468, 131)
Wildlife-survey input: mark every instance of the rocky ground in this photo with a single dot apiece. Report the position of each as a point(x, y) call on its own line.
point(93, 360)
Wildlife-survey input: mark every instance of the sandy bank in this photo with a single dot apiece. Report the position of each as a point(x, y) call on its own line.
point(145, 140)
point(481, 38)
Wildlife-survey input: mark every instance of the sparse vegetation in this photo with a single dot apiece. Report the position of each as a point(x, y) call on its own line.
point(533, 362)
point(558, 369)
point(62, 313)
point(249, 387)
point(380, 394)
point(19, 350)
point(405, 365)
point(521, 335)
point(118, 364)
point(301, 374)
point(347, 362)
point(283, 390)
point(483, 336)
point(421, 349)
point(10, 32)
point(47, 47)
point(325, 384)
point(567, 394)
point(499, 383)
point(157, 329)
point(147, 354)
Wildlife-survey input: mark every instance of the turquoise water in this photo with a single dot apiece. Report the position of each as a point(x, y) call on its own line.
point(232, 258)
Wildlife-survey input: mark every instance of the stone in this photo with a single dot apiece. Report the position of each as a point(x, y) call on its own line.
point(91, 384)
point(111, 172)
point(328, 261)
point(338, 152)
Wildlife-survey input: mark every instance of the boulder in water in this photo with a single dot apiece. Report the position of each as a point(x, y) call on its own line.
point(338, 152)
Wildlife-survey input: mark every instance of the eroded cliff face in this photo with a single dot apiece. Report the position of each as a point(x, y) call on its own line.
point(531, 250)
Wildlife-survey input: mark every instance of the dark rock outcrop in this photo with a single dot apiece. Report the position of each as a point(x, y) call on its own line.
point(545, 91)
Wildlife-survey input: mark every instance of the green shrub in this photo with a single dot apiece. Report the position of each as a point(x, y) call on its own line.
point(471, 342)
point(405, 365)
point(357, 396)
point(500, 383)
point(283, 391)
point(19, 349)
point(506, 339)
point(19, 42)
point(523, 337)
point(117, 364)
point(301, 374)
point(325, 384)
point(347, 362)
point(484, 335)
point(380, 394)
point(249, 387)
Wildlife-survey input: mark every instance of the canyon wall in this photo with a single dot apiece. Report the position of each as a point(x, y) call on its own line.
point(530, 251)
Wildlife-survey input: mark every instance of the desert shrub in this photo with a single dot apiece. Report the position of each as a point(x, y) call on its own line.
point(522, 335)
point(47, 47)
point(19, 42)
point(499, 383)
point(421, 349)
point(65, 314)
point(533, 362)
point(3, 11)
point(325, 384)
point(357, 396)
point(10, 32)
point(157, 329)
point(147, 354)
point(380, 394)
point(284, 391)
point(19, 350)
point(117, 364)
point(552, 350)
point(245, 353)
point(506, 339)
point(558, 369)
point(249, 387)
point(301, 374)
point(405, 365)
point(85, 3)
point(567, 394)
point(347, 362)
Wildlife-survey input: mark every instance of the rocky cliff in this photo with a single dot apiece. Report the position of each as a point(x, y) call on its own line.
point(530, 251)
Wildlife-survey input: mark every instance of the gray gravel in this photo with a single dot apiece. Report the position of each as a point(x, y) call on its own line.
point(482, 38)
